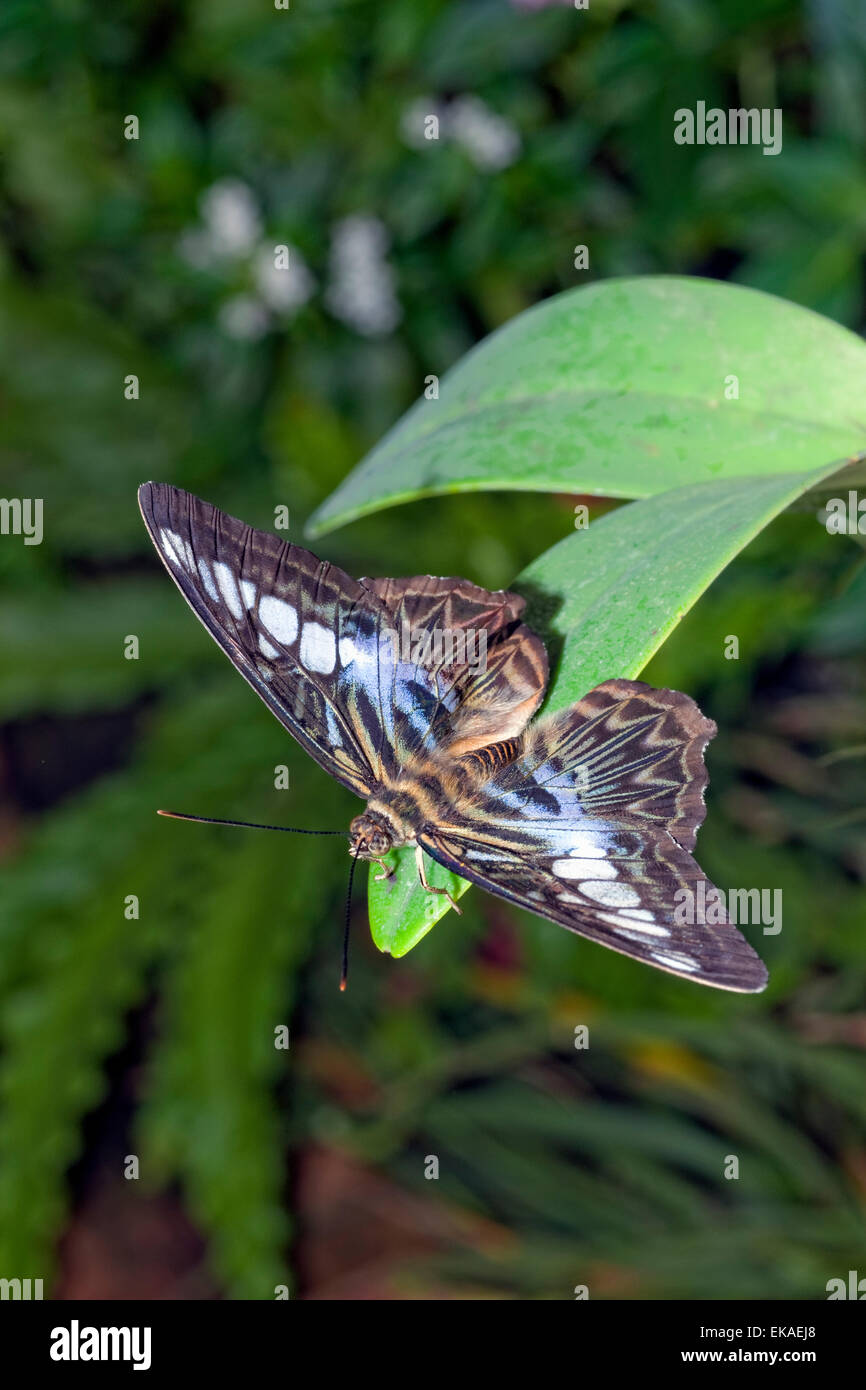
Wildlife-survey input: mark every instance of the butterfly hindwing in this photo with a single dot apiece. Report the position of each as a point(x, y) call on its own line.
point(635, 916)
point(630, 751)
point(590, 824)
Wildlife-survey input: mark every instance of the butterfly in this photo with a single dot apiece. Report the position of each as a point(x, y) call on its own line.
point(586, 817)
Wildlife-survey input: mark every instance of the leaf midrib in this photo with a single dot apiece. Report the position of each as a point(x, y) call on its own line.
point(577, 397)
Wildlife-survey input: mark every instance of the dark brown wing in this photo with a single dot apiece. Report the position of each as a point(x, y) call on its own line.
point(637, 752)
point(590, 825)
point(479, 647)
point(286, 620)
point(316, 645)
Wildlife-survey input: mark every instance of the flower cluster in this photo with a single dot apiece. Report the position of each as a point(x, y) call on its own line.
point(490, 141)
point(277, 282)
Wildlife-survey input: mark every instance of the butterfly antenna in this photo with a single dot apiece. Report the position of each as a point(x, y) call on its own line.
point(247, 824)
point(345, 972)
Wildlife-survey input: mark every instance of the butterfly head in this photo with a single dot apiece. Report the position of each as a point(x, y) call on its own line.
point(368, 837)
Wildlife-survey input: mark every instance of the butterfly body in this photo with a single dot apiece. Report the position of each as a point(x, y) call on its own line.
point(425, 793)
point(586, 817)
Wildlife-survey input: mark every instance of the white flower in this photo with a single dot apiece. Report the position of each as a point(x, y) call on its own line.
point(362, 291)
point(243, 316)
point(489, 140)
point(231, 218)
point(282, 288)
point(231, 231)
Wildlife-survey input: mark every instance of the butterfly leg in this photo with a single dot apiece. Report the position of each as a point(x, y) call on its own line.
point(419, 860)
point(386, 872)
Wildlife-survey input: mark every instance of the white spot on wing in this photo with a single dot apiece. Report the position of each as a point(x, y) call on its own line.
point(318, 648)
point(639, 914)
point(611, 894)
point(587, 845)
point(168, 539)
point(228, 588)
point(280, 618)
point(584, 868)
point(266, 648)
point(248, 592)
point(333, 731)
point(559, 841)
point(351, 651)
point(207, 580)
point(631, 928)
point(179, 550)
point(676, 961)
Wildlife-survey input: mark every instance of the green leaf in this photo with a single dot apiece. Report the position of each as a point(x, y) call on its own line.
point(619, 389)
point(604, 600)
point(718, 404)
point(401, 911)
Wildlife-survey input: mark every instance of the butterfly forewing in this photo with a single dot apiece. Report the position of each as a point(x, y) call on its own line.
point(324, 651)
point(279, 614)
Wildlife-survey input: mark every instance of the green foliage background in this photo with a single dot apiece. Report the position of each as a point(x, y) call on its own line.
point(557, 1167)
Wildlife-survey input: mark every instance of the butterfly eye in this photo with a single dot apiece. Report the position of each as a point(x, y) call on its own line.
point(367, 838)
